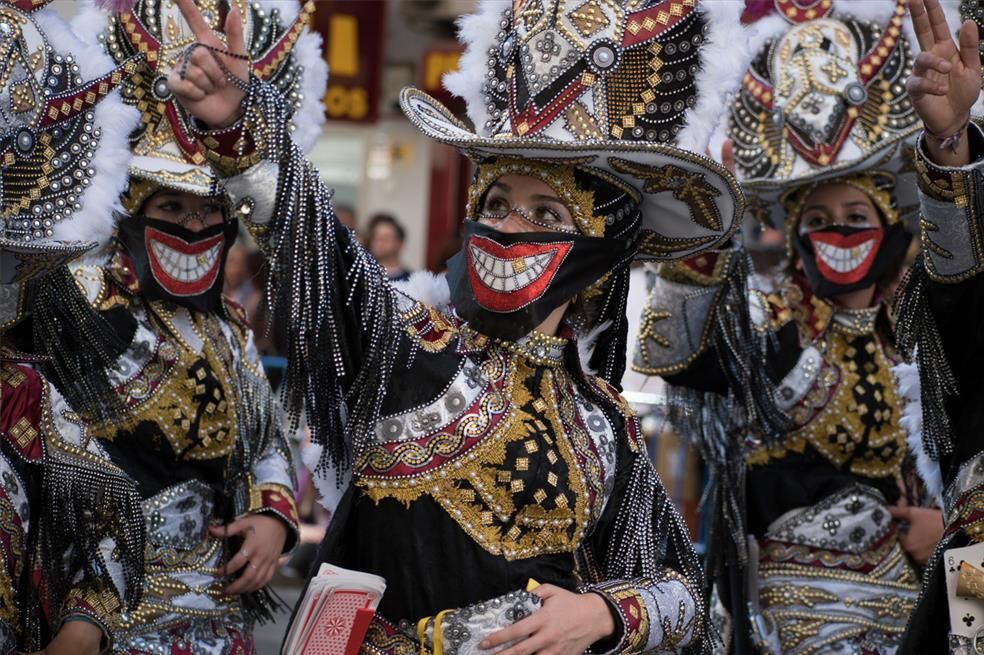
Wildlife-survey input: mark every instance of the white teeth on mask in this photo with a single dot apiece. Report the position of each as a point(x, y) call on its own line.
point(506, 275)
point(844, 260)
point(182, 267)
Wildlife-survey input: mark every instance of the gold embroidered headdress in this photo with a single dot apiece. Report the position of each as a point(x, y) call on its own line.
point(283, 52)
point(631, 89)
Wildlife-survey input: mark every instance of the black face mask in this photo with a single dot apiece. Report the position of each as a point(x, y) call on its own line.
point(840, 259)
point(505, 284)
point(175, 264)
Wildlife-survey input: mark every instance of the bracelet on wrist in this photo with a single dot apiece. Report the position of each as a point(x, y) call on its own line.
point(952, 141)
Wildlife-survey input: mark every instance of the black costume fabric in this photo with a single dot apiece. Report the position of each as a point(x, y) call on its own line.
point(460, 443)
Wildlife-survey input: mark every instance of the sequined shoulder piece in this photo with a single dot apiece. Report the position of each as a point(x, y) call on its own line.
point(431, 329)
point(810, 312)
point(236, 313)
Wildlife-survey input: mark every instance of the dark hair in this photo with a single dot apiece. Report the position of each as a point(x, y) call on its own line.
point(386, 219)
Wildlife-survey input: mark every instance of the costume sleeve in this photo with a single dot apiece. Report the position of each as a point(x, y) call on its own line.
point(272, 477)
point(640, 559)
point(721, 346)
point(939, 313)
point(340, 312)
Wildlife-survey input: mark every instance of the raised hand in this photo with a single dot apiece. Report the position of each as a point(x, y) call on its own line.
point(202, 83)
point(946, 79)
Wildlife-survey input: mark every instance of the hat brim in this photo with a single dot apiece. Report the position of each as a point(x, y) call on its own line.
point(180, 176)
point(689, 202)
point(23, 260)
point(767, 197)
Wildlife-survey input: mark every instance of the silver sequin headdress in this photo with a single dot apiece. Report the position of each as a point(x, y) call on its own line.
point(62, 142)
point(825, 98)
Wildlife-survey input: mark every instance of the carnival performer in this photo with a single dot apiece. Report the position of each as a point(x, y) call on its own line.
point(484, 453)
point(937, 310)
point(69, 552)
point(818, 524)
point(199, 433)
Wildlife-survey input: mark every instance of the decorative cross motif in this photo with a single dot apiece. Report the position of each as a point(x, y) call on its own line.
point(547, 47)
point(474, 376)
point(834, 71)
point(425, 421)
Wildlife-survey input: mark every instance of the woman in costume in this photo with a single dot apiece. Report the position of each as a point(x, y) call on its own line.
point(483, 453)
point(805, 552)
point(69, 548)
point(938, 308)
point(199, 433)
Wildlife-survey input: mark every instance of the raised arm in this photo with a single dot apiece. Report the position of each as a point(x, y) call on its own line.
point(339, 310)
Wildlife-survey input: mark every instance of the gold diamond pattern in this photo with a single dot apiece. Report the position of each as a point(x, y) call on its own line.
point(589, 18)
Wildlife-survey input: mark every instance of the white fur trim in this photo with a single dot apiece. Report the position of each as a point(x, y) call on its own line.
point(586, 345)
point(310, 117)
point(909, 386)
point(427, 288)
point(724, 58)
point(324, 477)
point(95, 221)
point(478, 32)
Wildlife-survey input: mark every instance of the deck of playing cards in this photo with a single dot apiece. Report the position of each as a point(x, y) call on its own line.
point(336, 611)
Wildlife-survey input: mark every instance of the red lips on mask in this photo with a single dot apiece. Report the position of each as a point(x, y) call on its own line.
point(845, 259)
point(507, 278)
point(182, 268)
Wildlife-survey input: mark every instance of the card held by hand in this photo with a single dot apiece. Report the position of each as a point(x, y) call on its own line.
point(335, 613)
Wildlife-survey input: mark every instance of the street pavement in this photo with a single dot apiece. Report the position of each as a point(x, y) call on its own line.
point(270, 636)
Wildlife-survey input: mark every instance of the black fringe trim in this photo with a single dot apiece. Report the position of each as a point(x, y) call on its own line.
point(918, 337)
point(83, 505)
point(80, 345)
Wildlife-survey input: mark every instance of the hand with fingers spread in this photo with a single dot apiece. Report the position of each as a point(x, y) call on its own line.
point(207, 79)
point(567, 624)
point(945, 81)
point(263, 543)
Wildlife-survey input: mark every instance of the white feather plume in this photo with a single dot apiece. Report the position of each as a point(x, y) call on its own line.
point(724, 58)
point(324, 477)
point(428, 288)
point(95, 221)
point(478, 32)
point(310, 117)
point(908, 384)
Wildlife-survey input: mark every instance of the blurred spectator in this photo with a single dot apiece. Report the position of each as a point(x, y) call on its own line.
point(238, 279)
point(384, 239)
point(345, 215)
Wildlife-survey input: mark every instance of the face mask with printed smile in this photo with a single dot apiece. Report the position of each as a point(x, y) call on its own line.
point(840, 259)
point(505, 284)
point(176, 264)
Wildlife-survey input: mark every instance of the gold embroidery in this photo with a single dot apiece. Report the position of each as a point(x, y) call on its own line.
point(494, 479)
point(23, 432)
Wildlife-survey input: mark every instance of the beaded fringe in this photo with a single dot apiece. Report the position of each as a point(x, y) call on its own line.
point(80, 346)
point(312, 290)
point(85, 503)
point(643, 543)
point(918, 338)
